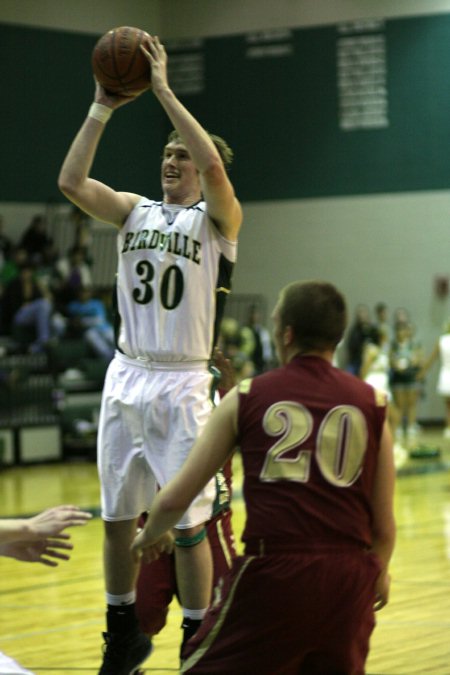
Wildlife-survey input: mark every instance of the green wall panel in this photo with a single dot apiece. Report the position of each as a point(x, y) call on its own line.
point(47, 87)
point(280, 114)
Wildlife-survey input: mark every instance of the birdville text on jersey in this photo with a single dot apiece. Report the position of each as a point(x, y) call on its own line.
point(187, 247)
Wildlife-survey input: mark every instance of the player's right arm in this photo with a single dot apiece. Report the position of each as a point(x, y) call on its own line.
point(93, 197)
point(383, 522)
point(223, 206)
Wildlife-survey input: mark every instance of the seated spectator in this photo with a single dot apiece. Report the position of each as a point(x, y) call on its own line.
point(35, 238)
point(10, 378)
point(71, 273)
point(8, 272)
point(45, 270)
point(11, 267)
point(83, 234)
point(25, 305)
point(5, 244)
point(87, 317)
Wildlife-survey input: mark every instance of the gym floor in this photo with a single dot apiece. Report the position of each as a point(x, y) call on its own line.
point(51, 619)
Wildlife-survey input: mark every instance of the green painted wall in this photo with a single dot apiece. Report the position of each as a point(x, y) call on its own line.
point(280, 114)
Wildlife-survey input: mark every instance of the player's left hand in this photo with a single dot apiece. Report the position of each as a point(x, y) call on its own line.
point(45, 551)
point(112, 101)
point(148, 551)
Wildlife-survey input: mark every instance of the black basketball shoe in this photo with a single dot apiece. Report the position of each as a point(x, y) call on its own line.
point(124, 653)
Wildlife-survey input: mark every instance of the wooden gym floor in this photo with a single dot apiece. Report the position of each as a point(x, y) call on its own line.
point(51, 620)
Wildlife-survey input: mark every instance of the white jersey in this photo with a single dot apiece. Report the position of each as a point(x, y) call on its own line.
point(172, 264)
point(378, 375)
point(443, 385)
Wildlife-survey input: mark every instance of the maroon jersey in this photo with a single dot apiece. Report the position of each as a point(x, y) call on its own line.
point(309, 438)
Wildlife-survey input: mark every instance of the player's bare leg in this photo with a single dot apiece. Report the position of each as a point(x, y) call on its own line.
point(119, 565)
point(194, 570)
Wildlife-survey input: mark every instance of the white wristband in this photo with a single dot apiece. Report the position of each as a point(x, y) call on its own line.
point(100, 112)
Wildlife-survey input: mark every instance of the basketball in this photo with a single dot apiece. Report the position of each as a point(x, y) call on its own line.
point(118, 62)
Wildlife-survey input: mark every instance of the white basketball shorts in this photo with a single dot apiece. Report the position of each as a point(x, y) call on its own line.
point(151, 414)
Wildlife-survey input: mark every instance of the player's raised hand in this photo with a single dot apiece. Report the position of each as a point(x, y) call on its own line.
point(157, 57)
point(111, 100)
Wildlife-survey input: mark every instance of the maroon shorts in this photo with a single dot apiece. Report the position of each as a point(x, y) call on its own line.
point(156, 584)
point(290, 614)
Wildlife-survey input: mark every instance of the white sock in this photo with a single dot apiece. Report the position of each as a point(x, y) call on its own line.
point(125, 599)
point(195, 614)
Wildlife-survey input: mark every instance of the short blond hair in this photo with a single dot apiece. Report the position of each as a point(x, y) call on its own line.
point(224, 150)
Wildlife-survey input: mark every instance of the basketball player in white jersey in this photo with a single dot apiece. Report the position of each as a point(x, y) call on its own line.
point(174, 256)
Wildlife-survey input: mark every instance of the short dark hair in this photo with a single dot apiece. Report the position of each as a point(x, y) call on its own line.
point(224, 150)
point(316, 311)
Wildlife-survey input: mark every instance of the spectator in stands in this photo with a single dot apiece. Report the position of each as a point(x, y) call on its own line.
point(45, 272)
point(5, 244)
point(11, 267)
point(9, 377)
point(8, 272)
point(71, 273)
point(26, 306)
point(87, 317)
point(35, 238)
point(83, 235)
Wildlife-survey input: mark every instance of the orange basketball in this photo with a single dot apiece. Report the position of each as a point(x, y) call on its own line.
point(118, 62)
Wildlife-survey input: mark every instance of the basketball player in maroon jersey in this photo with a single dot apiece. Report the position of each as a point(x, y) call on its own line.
point(318, 486)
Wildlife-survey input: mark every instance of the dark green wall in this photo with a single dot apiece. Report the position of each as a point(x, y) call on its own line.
point(47, 87)
point(279, 114)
